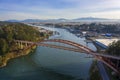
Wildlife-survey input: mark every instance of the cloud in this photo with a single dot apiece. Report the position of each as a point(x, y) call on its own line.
point(43, 9)
point(107, 14)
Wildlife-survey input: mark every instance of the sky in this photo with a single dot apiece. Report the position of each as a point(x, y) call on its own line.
point(53, 9)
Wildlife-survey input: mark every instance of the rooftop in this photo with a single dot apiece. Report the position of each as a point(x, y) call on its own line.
point(106, 42)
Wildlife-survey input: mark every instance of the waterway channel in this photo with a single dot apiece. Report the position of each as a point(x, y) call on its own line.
point(49, 63)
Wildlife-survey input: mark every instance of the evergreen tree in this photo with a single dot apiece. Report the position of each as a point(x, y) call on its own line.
point(114, 48)
point(3, 46)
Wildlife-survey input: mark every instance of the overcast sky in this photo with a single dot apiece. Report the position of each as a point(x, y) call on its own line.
point(49, 9)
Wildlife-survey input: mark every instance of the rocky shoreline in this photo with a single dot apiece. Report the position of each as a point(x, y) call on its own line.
point(5, 59)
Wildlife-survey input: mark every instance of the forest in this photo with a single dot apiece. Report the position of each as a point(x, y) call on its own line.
point(16, 31)
point(114, 48)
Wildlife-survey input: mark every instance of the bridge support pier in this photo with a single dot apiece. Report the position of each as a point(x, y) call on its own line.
point(111, 61)
point(20, 45)
point(26, 44)
point(118, 64)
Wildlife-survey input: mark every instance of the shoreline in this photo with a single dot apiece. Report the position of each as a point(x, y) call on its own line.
point(5, 59)
point(21, 52)
point(27, 50)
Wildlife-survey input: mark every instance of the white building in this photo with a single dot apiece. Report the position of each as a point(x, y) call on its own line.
point(106, 42)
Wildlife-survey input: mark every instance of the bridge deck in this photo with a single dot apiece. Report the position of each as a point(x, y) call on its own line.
point(61, 47)
point(79, 48)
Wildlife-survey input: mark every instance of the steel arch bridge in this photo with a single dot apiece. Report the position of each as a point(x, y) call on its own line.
point(111, 61)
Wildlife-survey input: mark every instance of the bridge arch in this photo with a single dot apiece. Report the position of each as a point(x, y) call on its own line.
point(102, 57)
point(78, 46)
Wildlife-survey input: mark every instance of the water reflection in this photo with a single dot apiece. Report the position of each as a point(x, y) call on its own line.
point(50, 64)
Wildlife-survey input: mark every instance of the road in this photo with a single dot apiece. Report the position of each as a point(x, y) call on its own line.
point(102, 71)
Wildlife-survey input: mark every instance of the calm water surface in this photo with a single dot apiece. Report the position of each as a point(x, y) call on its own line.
point(49, 63)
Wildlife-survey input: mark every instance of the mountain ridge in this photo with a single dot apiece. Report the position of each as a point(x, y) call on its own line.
point(62, 20)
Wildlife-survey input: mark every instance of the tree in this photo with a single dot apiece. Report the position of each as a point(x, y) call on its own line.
point(3, 46)
point(16, 31)
point(114, 48)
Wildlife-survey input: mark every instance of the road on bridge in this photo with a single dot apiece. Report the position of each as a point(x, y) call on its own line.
point(102, 71)
point(102, 57)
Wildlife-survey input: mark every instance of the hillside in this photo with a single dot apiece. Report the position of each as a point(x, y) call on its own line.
point(16, 31)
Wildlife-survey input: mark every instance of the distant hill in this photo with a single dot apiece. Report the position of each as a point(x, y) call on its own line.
point(38, 20)
point(63, 20)
point(13, 20)
point(91, 18)
point(47, 20)
point(32, 20)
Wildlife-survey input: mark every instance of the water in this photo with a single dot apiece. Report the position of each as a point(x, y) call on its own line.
point(49, 63)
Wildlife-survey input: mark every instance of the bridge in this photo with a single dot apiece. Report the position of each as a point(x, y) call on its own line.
point(112, 62)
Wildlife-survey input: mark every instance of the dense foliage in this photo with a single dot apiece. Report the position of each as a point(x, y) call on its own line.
point(15, 31)
point(114, 48)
